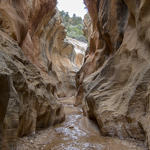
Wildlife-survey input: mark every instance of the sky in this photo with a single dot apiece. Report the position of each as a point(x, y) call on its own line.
point(72, 7)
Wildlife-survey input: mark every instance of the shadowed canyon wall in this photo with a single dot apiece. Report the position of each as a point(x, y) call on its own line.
point(37, 65)
point(114, 82)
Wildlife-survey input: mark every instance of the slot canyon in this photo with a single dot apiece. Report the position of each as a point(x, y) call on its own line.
point(58, 93)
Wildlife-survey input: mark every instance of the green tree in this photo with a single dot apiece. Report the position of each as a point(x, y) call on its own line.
point(74, 26)
point(62, 13)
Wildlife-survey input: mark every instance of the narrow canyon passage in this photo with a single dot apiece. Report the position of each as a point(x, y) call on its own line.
point(51, 62)
point(77, 132)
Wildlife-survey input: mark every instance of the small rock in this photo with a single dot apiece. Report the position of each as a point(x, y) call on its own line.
point(31, 141)
point(71, 126)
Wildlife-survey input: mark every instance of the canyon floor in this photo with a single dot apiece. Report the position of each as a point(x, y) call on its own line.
point(77, 132)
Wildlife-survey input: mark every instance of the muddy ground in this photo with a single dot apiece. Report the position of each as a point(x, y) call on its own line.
point(77, 132)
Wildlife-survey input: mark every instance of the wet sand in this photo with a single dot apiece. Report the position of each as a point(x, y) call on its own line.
point(77, 132)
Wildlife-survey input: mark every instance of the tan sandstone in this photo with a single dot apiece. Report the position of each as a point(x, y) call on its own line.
point(37, 65)
point(114, 80)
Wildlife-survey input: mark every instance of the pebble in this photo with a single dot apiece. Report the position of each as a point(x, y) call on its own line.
point(71, 126)
point(31, 141)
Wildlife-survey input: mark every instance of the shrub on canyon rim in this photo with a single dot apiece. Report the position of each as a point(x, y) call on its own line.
point(74, 26)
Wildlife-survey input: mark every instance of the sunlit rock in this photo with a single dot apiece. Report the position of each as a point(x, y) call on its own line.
point(56, 58)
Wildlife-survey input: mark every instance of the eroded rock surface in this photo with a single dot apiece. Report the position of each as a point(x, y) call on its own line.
point(36, 64)
point(114, 80)
point(26, 101)
point(55, 57)
point(37, 27)
point(88, 27)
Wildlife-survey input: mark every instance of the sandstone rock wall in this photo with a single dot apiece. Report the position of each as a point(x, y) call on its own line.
point(88, 28)
point(114, 80)
point(56, 58)
point(26, 101)
point(37, 27)
point(36, 63)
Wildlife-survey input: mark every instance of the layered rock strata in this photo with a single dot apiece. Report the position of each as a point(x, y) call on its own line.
point(114, 80)
point(36, 63)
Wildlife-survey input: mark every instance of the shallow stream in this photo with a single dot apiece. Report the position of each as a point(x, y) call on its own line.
point(77, 132)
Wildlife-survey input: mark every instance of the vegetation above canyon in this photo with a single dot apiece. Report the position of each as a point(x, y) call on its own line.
point(74, 26)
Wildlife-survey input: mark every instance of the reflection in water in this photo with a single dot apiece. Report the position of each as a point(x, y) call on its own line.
point(76, 133)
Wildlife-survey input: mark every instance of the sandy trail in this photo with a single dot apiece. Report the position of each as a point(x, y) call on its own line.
point(77, 132)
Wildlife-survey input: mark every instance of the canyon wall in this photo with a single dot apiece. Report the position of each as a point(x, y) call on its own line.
point(37, 65)
point(114, 82)
point(55, 57)
point(88, 28)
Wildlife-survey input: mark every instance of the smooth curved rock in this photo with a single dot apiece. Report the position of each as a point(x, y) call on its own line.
point(88, 27)
point(27, 104)
point(56, 58)
point(26, 97)
point(37, 27)
point(37, 65)
point(115, 76)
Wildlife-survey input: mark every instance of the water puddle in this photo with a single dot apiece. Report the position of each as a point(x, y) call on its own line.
point(75, 133)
